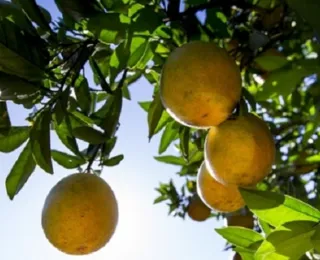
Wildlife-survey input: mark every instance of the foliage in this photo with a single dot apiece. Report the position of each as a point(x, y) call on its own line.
point(122, 41)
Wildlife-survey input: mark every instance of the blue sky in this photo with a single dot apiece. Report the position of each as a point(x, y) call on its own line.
point(144, 232)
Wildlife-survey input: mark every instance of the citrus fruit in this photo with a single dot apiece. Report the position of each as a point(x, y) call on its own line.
point(197, 210)
point(80, 214)
point(236, 256)
point(200, 84)
point(240, 220)
point(240, 151)
point(215, 195)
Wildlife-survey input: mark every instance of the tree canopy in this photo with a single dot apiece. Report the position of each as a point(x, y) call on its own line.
point(274, 42)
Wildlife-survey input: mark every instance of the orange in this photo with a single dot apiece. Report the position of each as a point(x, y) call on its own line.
point(240, 220)
point(240, 151)
point(215, 195)
point(236, 256)
point(197, 210)
point(200, 84)
point(80, 214)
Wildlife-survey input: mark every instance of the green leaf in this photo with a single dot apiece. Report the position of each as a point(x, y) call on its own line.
point(20, 172)
point(198, 156)
point(140, 17)
point(170, 159)
point(313, 159)
point(59, 111)
point(82, 118)
point(66, 160)
point(82, 93)
point(110, 124)
point(108, 146)
point(40, 141)
point(308, 10)
point(15, 88)
point(184, 135)
point(118, 60)
point(310, 129)
point(64, 132)
point(296, 98)
point(216, 21)
point(164, 32)
point(107, 117)
point(315, 239)
point(112, 4)
point(108, 27)
point(12, 12)
point(77, 9)
point(245, 253)
point(137, 50)
point(5, 122)
point(270, 63)
point(36, 13)
point(152, 76)
point(146, 57)
point(160, 199)
point(113, 161)
point(26, 60)
point(145, 105)
point(160, 48)
point(314, 89)
point(289, 241)
point(277, 209)
point(266, 4)
point(283, 81)
point(154, 114)
point(264, 226)
point(96, 70)
point(164, 120)
point(14, 138)
point(170, 134)
point(240, 236)
point(88, 134)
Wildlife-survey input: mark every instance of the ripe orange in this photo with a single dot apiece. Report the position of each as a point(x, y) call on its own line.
point(215, 195)
point(80, 214)
point(240, 151)
point(197, 210)
point(200, 84)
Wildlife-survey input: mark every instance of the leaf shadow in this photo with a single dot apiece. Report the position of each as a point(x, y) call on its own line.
point(270, 199)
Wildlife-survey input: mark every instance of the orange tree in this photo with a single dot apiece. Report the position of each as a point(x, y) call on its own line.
point(275, 44)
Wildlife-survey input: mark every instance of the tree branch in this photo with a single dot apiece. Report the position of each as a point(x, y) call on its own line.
point(123, 78)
